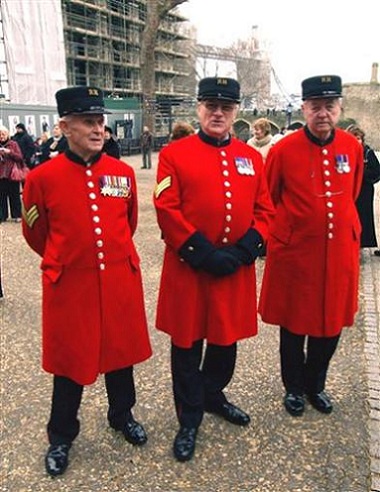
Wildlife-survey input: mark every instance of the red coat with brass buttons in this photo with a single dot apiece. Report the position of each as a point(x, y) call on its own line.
point(310, 283)
point(200, 188)
point(93, 309)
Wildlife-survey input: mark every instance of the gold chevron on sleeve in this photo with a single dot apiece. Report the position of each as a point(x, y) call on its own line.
point(30, 216)
point(162, 186)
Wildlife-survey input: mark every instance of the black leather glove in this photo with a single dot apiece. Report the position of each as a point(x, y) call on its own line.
point(200, 253)
point(195, 249)
point(220, 262)
point(248, 247)
point(240, 254)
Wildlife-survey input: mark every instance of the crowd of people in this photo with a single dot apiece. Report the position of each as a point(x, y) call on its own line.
point(305, 199)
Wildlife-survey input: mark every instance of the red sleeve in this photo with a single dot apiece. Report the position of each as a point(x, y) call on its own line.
point(34, 223)
point(263, 211)
point(133, 208)
point(167, 200)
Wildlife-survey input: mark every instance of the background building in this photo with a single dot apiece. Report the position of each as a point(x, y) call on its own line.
point(33, 48)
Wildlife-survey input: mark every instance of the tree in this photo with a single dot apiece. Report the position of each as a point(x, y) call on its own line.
point(156, 10)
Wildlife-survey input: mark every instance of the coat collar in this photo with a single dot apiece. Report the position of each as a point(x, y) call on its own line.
point(214, 141)
point(317, 141)
point(76, 158)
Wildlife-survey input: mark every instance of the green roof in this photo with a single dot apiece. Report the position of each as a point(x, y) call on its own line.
point(121, 103)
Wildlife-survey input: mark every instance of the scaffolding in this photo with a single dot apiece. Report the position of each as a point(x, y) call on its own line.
point(103, 40)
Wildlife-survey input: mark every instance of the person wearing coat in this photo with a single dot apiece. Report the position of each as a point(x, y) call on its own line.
point(111, 146)
point(262, 139)
point(26, 144)
point(364, 203)
point(57, 144)
point(80, 214)
point(310, 280)
point(10, 156)
point(213, 208)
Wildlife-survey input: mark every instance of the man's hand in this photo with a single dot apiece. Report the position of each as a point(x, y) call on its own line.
point(220, 263)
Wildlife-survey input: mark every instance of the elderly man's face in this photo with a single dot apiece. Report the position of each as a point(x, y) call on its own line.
point(85, 133)
point(216, 117)
point(322, 115)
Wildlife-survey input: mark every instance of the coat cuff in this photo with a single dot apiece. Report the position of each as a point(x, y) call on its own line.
point(195, 249)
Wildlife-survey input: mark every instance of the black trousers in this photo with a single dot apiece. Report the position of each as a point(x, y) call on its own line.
point(305, 372)
point(9, 191)
point(198, 385)
point(63, 426)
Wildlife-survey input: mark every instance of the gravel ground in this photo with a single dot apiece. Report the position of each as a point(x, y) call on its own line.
point(276, 453)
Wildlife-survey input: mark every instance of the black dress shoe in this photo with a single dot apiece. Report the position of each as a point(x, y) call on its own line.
point(57, 459)
point(132, 431)
point(377, 252)
point(231, 413)
point(184, 443)
point(294, 404)
point(321, 402)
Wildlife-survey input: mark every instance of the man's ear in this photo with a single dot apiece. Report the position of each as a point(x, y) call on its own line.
point(65, 127)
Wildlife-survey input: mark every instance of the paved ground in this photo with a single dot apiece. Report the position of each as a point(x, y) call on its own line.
point(276, 453)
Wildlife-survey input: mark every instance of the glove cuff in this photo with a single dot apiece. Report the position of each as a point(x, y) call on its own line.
point(195, 249)
point(252, 242)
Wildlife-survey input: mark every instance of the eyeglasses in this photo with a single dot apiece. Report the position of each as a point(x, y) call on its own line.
point(216, 106)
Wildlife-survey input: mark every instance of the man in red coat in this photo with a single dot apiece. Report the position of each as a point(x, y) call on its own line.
point(310, 283)
point(213, 208)
point(80, 213)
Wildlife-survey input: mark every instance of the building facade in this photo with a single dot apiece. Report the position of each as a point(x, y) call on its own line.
point(102, 47)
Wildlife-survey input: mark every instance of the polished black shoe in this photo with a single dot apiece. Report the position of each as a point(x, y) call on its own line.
point(321, 402)
point(294, 404)
point(134, 432)
point(231, 413)
point(57, 459)
point(184, 443)
point(377, 252)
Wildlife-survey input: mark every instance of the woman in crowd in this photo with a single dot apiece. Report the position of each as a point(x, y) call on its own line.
point(262, 137)
point(364, 203)
point(57, 144)
point(111, 145)
point(10, 155)
point(182, 129)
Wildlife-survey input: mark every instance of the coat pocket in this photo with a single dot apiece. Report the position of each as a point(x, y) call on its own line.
point(52, 272)
point(282, 232)
point(134, 259)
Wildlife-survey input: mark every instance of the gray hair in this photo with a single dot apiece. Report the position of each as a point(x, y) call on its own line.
point(4, 129)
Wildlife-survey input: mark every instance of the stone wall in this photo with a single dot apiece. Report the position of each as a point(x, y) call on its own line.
point(361, 102)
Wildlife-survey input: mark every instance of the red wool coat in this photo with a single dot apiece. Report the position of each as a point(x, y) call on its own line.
point(310, 283)
point(81, 221)
point(207, 189)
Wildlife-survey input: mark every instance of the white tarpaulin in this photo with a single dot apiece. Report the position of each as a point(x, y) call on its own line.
point(34, 50)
